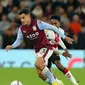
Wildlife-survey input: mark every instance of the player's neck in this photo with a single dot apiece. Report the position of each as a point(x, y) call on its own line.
point(28, 24)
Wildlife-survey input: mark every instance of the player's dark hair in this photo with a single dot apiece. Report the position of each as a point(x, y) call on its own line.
point(24, 11)
point(56, 17)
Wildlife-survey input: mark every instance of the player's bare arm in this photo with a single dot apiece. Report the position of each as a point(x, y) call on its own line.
point(66, 53)
point(17, 42)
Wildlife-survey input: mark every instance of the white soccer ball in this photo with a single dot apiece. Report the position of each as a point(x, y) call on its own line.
point(16, 82)
point(60, 82)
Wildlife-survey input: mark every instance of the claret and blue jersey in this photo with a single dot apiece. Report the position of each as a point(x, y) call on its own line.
point(35, 32)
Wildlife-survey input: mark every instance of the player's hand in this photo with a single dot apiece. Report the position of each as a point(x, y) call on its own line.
point(69, 40)
point(66, 51)
point(65, 54)
point(8, 47)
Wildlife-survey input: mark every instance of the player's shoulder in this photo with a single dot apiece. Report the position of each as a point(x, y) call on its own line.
point(39, 22)
point(21, 26)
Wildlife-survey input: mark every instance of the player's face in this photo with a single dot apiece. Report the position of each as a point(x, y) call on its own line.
point(55, 22)
point(25, 19)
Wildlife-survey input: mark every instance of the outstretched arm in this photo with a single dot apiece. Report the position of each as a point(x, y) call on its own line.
point(61, 43)
point(43, 25)
point(58, 52)
point(17, 42)
point(66, 53)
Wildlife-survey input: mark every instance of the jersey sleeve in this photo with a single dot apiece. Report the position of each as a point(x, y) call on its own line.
point(62, 31)
point(43, 25)
point(18, 40)
point(61, 43)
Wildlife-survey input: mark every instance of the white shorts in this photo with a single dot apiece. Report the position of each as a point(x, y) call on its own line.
point(45, 53)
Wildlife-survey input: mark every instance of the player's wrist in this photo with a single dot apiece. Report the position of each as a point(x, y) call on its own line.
point(65, 50)
point(58, 52)
point(11, 46)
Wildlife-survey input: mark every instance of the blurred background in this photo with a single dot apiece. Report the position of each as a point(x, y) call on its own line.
point(18, 64)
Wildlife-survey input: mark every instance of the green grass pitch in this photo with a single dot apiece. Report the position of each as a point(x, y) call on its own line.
point(28, 76)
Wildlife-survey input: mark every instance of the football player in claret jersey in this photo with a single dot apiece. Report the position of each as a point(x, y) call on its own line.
point(56, 40)
point(33, 30)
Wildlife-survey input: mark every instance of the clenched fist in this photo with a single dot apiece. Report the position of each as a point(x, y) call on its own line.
point(8, 47)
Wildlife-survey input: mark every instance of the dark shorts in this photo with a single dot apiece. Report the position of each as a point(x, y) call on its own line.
point(52, 59)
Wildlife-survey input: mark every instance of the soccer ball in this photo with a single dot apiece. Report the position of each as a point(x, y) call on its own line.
point(16, 82)
point(60, 82)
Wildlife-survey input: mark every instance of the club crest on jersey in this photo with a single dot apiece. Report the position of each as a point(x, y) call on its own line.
point(34, 28)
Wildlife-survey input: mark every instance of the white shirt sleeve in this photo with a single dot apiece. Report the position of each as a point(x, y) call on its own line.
point(61, 31)
point(61, 43)
point(19, 39)
point(50, 34)
point(43, 25)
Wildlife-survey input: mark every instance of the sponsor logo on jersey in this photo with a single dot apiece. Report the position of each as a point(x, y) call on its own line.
point(33, 36)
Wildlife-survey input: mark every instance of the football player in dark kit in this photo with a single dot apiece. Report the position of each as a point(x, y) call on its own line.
point(33, 30)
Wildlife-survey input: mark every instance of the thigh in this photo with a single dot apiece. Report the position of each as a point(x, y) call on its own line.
point(59, 65)
point(45, 54)
point(49, 63)
point(54, 57)
point(39, 63)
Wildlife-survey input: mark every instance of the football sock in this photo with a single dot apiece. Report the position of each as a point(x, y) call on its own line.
point(70, 76)
point(48, 80)
point(48, 74)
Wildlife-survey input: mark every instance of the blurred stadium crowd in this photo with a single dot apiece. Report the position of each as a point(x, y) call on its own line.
point(71, 12)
